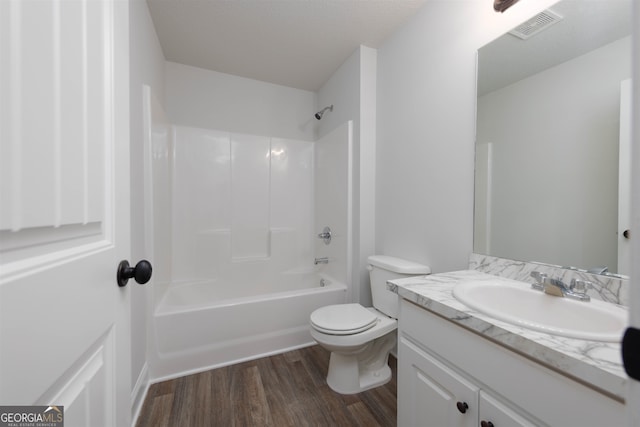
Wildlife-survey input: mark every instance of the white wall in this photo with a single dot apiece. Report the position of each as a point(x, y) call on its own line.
point(146, 67)
point(352, 91)
point(366, 155)
point(212, 100)
point(555, 160)
point(425, 129)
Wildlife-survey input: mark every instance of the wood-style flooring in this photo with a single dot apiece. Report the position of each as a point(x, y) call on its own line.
point(288, 389)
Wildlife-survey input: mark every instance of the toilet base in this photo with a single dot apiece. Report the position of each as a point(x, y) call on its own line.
point(355, 373)
point(344, 382)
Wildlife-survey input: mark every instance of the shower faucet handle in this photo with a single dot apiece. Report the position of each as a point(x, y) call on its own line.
point(325, 235)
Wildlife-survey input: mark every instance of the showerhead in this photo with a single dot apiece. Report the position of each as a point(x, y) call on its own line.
point(321, 112)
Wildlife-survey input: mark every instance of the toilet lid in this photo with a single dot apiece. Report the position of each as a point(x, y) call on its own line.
point(343, 319)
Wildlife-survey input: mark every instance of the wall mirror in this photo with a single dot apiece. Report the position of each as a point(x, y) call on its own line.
point(548, 138)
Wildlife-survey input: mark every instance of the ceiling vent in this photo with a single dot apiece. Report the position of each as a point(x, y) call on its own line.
point(533, 26)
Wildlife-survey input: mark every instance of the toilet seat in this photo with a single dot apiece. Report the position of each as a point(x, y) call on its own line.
point(343, 319)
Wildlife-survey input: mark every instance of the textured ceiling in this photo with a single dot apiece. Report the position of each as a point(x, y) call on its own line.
point(295, 43)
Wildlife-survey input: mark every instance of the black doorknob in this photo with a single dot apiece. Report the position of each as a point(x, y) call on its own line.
point(141, 273)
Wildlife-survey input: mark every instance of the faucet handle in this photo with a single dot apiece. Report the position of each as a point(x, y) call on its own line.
point(580, 286)
point(540, 278)
point(325, 235)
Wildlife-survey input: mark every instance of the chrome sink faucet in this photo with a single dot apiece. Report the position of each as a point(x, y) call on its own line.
point(576, 290)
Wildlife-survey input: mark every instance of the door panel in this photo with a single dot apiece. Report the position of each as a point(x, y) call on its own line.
point(88, 388)
point(429, 392)
point(499, 414)
point(55, 115)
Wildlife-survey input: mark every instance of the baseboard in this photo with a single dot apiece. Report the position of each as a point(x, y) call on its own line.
point(139, 393)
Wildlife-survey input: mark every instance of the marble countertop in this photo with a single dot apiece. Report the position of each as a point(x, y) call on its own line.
point(598, 364)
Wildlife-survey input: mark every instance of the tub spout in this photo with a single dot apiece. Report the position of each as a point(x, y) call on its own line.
point(324, 260)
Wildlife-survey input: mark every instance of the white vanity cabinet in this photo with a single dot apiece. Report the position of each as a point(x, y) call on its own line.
point(434, 394)
point(494, 412)
point(450, 376)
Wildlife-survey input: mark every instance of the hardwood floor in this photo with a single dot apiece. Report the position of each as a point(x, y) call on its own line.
point(284, 390)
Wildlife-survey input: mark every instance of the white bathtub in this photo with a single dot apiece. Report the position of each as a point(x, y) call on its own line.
point(199, 326)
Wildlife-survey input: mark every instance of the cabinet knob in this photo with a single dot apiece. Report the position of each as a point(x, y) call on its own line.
point(486, 423)
point(462, 407)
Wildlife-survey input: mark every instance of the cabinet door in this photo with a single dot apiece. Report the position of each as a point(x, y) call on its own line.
point(431, 394)
point(500, 415)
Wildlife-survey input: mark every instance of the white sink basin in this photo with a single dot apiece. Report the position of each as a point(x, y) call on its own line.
point(520, 305)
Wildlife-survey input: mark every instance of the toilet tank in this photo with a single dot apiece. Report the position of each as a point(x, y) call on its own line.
point(382, 268)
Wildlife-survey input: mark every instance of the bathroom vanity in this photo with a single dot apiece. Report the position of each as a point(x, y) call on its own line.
point(459, 367)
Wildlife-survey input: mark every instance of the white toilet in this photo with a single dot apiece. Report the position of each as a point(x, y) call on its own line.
point(360, 338)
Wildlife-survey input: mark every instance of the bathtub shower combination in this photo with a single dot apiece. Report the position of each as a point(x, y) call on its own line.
point(235, 225)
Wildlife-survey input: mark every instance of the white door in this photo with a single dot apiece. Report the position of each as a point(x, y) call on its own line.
point(633, 395)
point(64, 207)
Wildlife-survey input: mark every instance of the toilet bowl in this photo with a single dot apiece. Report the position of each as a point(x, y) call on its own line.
point(360, 338)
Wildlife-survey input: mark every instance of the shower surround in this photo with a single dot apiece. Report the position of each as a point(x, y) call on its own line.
point(238, 224)
point(240, 199)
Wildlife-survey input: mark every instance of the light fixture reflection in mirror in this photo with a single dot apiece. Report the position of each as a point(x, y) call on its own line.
point(502, 5)
point(548, 126)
